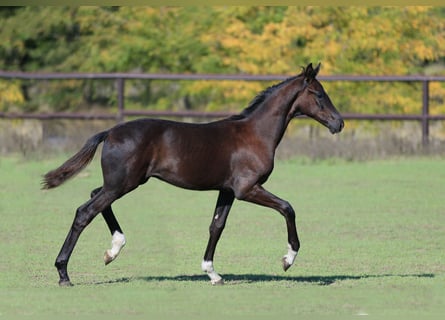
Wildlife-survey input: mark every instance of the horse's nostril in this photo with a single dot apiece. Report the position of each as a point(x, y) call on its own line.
point(342, 125)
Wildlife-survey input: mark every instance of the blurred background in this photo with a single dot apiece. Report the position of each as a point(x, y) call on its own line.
point(352, 41)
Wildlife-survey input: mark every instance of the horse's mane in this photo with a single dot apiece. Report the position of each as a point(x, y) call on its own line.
point(261, 97)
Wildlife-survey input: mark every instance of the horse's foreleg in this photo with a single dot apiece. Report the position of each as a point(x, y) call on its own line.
point(223, 205)
point(118, 239)
point(84, 215)
point(262, 197)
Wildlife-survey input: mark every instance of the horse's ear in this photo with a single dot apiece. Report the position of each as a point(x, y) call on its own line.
point(310, 73)
point(317, 68)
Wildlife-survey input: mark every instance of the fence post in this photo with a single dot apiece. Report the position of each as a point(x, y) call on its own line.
point(120, 82)
point(425, 113)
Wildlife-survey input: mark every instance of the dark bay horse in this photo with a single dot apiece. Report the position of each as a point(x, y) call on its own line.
point(234, 156)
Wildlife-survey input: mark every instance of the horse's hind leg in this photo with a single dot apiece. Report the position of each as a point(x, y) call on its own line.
point(84, 215)
point(223, 205)
point(118, 239)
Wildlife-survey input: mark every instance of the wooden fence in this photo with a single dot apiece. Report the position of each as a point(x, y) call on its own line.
point(424, 115)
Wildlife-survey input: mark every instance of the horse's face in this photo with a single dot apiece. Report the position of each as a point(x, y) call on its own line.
point(314, 102)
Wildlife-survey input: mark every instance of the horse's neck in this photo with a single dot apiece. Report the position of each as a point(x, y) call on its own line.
point(271, 119)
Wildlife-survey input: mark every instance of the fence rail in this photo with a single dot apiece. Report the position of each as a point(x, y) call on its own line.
point(424, 116)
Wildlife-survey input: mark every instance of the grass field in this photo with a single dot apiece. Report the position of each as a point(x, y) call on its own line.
point(372, 233)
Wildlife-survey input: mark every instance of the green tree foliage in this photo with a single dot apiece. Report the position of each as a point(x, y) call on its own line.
point(250, 40)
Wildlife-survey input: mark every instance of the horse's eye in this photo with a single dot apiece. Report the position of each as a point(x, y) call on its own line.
point(318, 94)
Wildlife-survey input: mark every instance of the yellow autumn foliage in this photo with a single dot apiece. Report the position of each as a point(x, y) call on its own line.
point(226, 39)
point(9, 94)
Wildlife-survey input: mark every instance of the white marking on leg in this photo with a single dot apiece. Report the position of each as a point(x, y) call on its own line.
point(117, 243)
point(207, 266)
point(290, 256)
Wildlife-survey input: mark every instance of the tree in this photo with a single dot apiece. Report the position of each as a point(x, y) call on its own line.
point(251, 40)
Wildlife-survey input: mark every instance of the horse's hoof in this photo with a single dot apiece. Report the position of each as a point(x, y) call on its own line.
point(107, 258)
point(286, 265)
point(218, 282)
point(65, 283)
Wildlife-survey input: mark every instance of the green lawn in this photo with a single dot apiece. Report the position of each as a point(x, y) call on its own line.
point(372, 234)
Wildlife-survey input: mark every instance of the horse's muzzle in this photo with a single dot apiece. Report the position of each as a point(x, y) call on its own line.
point(336, 125)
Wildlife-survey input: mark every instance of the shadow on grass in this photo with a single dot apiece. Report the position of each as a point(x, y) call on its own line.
point(254, 278)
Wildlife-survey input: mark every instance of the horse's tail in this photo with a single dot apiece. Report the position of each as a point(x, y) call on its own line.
point(75, 164)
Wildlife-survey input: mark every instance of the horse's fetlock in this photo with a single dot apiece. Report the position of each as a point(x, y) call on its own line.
point(61, 264)
point(295, 246)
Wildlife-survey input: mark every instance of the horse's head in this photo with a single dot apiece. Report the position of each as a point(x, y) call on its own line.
point(314, 102)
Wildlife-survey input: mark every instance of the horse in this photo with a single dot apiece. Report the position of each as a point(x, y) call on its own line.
point(233, 156)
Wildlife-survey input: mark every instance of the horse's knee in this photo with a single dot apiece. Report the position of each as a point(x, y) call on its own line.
point(287, 211)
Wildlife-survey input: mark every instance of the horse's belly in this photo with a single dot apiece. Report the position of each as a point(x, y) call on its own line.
point(195, 175)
